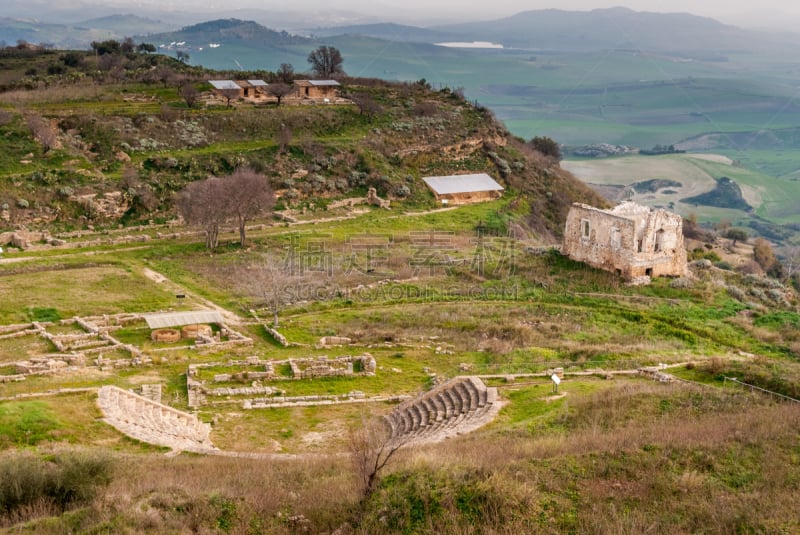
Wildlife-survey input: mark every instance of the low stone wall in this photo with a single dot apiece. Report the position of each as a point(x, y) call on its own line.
point(311, 401)
point(333, 341)
point(277, 336)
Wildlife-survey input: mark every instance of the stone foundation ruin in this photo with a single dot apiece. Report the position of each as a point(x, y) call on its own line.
point(253, 372)
point(92, 344)
point(166, 335)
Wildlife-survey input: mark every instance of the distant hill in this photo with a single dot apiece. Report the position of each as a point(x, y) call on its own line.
point(387, 31)
point(78, 35)
point(230, 31)
point(12, 30)
point(615, 28)
point(414, 131)
point(127, 24)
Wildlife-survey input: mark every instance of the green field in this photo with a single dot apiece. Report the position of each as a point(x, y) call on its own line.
point(616, 97)
point(772, 198)
point(743, 107)
point(598, 432)
point(609, 453)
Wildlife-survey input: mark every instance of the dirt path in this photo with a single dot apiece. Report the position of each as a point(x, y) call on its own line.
point(177, 289)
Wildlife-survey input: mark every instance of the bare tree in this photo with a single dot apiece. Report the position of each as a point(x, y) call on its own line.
point(229, 94)
point(42, 131)
point(271, 280)
point(791, 265)
point(284, 137)
point(249, 195)
point(162, 74)
point(791, 262)
point(326, 61)
point(371, 446)
point(366, 104)
point(188, 93)
point(203, 203)
point(238, 197)
point(285, 73)
point(279, 90)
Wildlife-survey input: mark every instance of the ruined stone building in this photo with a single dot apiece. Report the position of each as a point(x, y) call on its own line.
point(630, 240)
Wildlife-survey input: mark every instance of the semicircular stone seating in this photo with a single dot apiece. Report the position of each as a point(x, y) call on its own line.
point(458, 406)
point(152, 422)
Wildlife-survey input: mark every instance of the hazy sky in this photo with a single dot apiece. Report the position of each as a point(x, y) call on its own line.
point(459, 8)
point(704, 7)
point(777, 13)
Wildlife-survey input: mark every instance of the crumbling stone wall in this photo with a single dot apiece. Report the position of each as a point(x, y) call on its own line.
point(631, 240)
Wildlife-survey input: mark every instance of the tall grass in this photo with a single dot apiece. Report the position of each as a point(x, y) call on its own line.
point(711, 462)
point(32, 485)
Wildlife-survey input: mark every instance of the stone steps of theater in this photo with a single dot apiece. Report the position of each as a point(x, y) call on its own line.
point(450, 409)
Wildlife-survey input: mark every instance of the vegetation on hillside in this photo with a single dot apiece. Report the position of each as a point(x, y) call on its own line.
point(726, 194)
point(136, 124)
point(430, 294)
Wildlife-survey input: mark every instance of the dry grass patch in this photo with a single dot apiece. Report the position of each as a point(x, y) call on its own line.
point(320, 429)
point(24, 347)
point(80, 291)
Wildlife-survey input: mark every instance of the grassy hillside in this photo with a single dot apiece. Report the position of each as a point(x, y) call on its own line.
point(548, 463)
point(135, 137)
point(430, 293)
point(614, 96)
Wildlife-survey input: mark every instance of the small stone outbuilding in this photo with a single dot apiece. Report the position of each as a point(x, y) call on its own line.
point(631, 240)
point(251, 90)
point(316, 89)
point(463, 189)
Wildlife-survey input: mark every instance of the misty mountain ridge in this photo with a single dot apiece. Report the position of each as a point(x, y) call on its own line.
point(231, 31)
point(548, 29)
point(388, 31)
point(603, 29)
point(612, 28)
point(126, 24)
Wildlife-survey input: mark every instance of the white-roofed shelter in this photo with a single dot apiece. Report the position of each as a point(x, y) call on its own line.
point(179, 319)
point(464, 189)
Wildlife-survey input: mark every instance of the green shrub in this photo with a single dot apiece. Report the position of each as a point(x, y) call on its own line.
point(777, 320)
point(65, 480)
point(44, 314)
